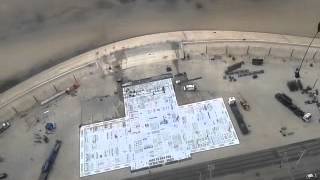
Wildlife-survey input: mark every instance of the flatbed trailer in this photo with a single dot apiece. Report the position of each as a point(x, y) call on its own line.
point(287, 102)
point(237, 114)
point(47, 166)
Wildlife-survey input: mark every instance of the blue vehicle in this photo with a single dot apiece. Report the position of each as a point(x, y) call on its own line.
point(47, 166)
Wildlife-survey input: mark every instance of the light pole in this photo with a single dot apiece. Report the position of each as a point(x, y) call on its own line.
point(297, 71)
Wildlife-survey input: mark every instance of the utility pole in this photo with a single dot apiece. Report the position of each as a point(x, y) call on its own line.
point(297, 71)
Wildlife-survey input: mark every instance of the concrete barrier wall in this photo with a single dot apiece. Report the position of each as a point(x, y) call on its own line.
point(196, 49)
point(154, 57)
point(299, 52)
point(44, 92)
point(24, 104)
point(282, 52)
point(259, 51)
point(25, 95)
point(252, 49)
point(238, 50)
point(216, 49)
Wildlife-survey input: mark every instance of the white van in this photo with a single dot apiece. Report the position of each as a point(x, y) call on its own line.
point(190, 87)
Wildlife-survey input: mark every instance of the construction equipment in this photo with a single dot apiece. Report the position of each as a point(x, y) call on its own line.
point(240, 71)
point(4, 126)
point(287, 101)
point(244, 103)
point(293, 85)
point(69, 91)
point(47, 166)
point(239, 118)
point(251, 73)
point(187, 80)
point(190, 87)
point(234, 67)
point(73, 89)
point(257, 61)
point(50, 127)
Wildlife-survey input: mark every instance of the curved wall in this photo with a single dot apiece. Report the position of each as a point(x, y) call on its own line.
point(133, 52)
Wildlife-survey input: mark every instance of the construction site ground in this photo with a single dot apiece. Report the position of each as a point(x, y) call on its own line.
point(100, 96)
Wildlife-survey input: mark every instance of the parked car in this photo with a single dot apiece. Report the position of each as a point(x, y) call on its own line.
point(307, 117)
point(4, 126)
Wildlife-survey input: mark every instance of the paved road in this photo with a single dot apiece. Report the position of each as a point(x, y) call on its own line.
point(280, 157)
point(35, 35)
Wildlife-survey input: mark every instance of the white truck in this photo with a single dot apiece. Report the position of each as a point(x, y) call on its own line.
point(190, 87)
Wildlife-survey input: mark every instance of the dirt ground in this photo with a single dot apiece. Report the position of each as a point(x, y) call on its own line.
point(37, 34)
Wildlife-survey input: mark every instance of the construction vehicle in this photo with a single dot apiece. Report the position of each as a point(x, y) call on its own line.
point(73, 89)
point(50, 127)
point(239, 118)
point(234, 67)
point(190, 87)
point(47, 166)
point(287, 101)
point(244, 103)
point(4, 126)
